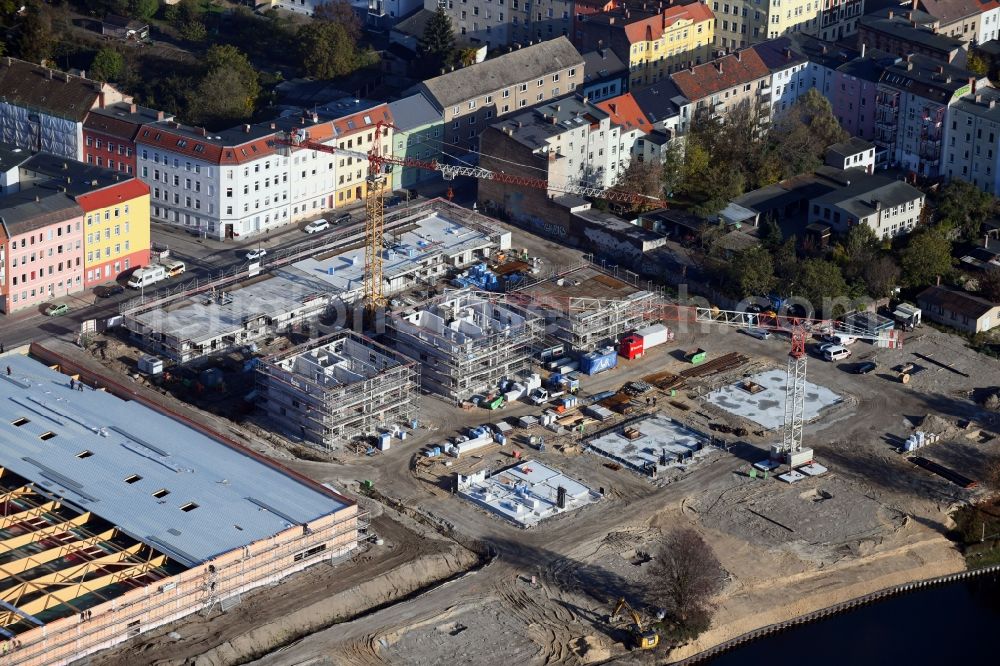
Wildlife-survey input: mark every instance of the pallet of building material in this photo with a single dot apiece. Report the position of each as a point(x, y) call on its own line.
point(724, 363)
point(751, 387)
point(665, 380)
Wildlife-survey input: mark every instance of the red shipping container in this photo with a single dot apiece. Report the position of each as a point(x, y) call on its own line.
point(631, 346)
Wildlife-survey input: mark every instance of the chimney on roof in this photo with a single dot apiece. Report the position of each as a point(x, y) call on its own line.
point(718, 65)
point(553, 120)
point(993, 103)
point(273, 126)
point(132, 108)
point(49, 73)
point(159, 115)
point(246, 128)
point(788, 53)
point(202, 131)
point(978, 98)
point(863, 47)
point(939, 69)
point(611, 20)
point(972, 82)
point(913, 24)
point(738, 54)
point(909, 66)
point(65, 166)
point(614, 108)
point(909, 57)
point(37, 198)
point(915, 3)
point(890, 14)
point(823, 49)
point(877, 204)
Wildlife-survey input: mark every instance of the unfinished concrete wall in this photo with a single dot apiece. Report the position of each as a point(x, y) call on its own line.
point(339, 387)
point(466, 342)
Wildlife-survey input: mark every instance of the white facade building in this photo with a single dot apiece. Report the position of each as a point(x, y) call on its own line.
point(972, 140)
point(578, 140)
point(890, 207)
point(239, 183)
point(989, 22)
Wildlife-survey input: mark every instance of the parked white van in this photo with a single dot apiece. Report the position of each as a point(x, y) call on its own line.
point(144, 277)
point(836, 353)
point(175, 268)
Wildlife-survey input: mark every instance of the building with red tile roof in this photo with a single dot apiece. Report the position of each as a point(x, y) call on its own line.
point(726, 82)
point(109, 135)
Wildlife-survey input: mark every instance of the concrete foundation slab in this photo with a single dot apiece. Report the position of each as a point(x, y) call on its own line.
point(651, 445)
point(815, 469)
point(525, 494)
point(767, 407)
point(767, 465)
point(791, 477)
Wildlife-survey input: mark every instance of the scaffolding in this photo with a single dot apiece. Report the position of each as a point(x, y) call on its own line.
point(467, 341)
point(337, 388)
point(613, 306)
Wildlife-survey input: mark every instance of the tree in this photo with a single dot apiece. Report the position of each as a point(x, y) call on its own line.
point(143, 9)
point(961, 206)
point(989, 284)
point(820, 281)
point(437, 44)
point(641, 178)
point(327, 50)
point(751, 272)
point(228, 91)
point(342, 13)
point(34, 37)
point(108, 65)
point(194, 31)
point(673, 168)
point(800, 138)
point(717, 187)
point(686, 574)
point(770, 233)
point(926, 257)
point(976, 64)
point(881, 276)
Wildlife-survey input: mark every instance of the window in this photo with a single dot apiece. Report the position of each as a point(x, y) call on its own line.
point(190, 506)
point(84, 454)
point(161, 493)
point(20, 422)
point(133, 478)
point(47, 435)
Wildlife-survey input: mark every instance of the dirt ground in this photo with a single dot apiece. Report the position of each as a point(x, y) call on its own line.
point(873, 521)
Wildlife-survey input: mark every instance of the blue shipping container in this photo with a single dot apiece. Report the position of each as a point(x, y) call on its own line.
point(595, 362)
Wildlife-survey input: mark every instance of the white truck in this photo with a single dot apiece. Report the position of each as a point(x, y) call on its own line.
point(144, 277)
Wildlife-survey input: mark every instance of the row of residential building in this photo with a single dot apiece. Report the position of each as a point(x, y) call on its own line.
point(65, 227)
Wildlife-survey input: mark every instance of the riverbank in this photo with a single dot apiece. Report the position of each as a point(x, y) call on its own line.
point(754, 603)
point(906, 627)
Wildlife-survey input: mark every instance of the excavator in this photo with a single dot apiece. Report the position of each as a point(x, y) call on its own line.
point(645, 639)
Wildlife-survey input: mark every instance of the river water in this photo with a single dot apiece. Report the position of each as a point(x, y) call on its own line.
point(957, 623)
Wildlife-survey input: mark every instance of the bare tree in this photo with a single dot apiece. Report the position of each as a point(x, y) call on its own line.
point(685, 576)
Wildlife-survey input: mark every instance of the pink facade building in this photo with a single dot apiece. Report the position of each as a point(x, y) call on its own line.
point(852, 95)
point(41, 248)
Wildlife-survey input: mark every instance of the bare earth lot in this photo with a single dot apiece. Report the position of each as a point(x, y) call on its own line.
point(873, 521)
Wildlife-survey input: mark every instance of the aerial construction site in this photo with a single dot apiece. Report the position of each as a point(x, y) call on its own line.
point(257, 472)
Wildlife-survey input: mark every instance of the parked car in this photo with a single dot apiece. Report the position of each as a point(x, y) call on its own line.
point(758, 333)
point(343, 218)
point(316, 226)
point(175, 268)
point(108, 290)
point(56, 309)
point(836, 353)
point(256, 254)
point(865, 368)
point(841, 339)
